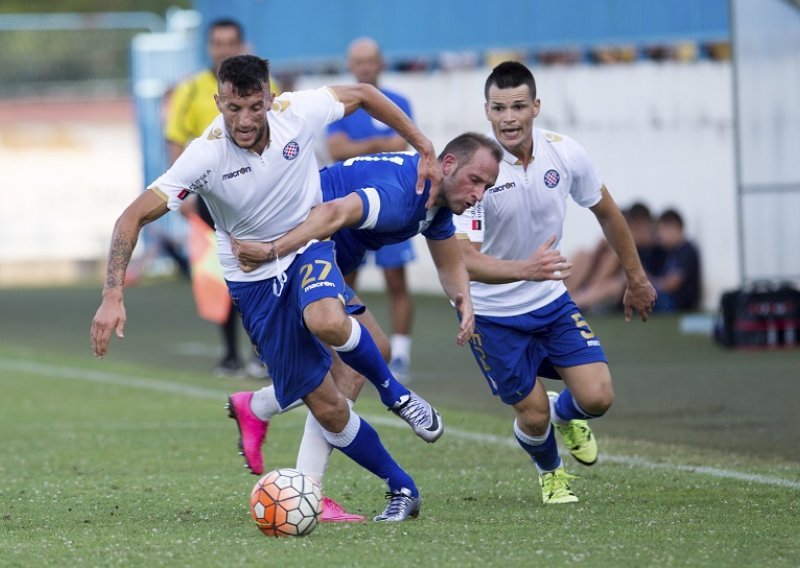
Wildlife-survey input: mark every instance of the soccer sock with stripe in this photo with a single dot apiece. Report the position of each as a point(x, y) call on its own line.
point(315, 450)
point(362, 354)
point(542, 449)
point(566, 408)
point(360, 442)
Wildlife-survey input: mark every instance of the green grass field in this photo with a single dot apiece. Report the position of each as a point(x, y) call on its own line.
point(131, 461)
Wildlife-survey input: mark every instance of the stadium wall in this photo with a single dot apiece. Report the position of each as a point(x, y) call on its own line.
point(70, 167)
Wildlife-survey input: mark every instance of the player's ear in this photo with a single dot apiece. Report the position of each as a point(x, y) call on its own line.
point(449, 163)
point(537, 105)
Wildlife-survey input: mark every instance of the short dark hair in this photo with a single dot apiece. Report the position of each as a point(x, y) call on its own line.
point(671, 216)
point(247, 74)
point(225, 23)
point(639, 212)
point(464, 146)
point(508, 75)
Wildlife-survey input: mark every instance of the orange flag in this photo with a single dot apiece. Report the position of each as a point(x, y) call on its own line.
point(208, 285)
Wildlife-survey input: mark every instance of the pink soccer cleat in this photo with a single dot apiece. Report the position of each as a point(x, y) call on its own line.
point(332, 512)
point(252, 430)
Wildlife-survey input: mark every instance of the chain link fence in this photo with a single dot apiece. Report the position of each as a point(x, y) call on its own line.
point(69, 54)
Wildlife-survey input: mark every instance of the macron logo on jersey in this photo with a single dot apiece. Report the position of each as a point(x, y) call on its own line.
point(236, 173)
point(499, 188)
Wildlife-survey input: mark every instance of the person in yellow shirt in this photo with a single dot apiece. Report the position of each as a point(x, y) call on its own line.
point(191, 110)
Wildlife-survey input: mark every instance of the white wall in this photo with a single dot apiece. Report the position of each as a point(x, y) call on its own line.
point(658, 133)
point(69, 169)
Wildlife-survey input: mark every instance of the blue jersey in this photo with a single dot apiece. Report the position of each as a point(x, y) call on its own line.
point(360, 125)
point(392, 210)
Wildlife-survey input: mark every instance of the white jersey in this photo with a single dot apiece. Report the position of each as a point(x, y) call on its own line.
point(252, 196)
point(521, 212)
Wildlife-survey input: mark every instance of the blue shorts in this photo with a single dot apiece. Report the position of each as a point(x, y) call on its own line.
point(396, 255)
point(351, 253)
point(297, 360)
point(513, 351)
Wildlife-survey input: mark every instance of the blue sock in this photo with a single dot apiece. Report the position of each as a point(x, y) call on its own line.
point(568, 408)
point(360, 442)
point(362, 354)
point(543, 450)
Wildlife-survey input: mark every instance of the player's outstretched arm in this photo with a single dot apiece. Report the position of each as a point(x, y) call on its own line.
point(455, 282)
point(381, 107)
point(324, 220)
point(639, 292)
point(545, 263)
point(110, 316)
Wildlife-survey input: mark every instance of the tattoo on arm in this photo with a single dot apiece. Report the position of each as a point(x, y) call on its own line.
point(272, 254)
point(122, 246)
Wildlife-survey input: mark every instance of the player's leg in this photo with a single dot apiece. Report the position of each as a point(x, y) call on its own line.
point(509, 356)
point(588, 395)
point(354, 437)
point(314, 452)
point(297, 360)
point(229, 365)
point(328, 321)
point(393, 260)
point(349, 381)
point(265, 404)
point(536, 436)
point(401, 311)
point(575, 354)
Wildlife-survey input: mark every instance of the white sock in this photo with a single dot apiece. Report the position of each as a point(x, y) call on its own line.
point(401, 347)
point(264, 404)
point(554, 417)
point(315, 451)
point(346, 436)
point(353, 340)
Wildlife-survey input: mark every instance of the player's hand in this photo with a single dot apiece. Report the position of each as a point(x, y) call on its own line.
point(429, 168)
point(252, 254)
point(546, 264)
point(110, 317)
point(467, 325)
point(639, 296)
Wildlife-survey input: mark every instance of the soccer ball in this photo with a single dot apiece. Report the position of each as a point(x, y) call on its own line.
point(284, 502)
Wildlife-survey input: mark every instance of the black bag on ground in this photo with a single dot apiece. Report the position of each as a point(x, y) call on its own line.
point(762, 315)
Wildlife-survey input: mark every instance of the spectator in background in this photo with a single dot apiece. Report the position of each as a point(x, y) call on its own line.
point(642, 226)
point(191, 110)
point(678, 281)
point(359, 134)
point(598, 281)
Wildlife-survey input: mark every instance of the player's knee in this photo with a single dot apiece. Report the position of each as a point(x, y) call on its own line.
point(533, 424)
point(600, 400)
point(331, 326)
point(332, 417)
